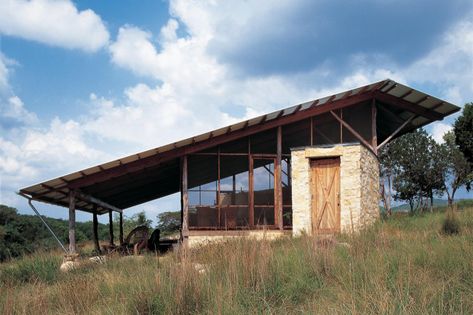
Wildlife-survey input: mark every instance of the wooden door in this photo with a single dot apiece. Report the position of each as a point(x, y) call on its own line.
point(325, 186)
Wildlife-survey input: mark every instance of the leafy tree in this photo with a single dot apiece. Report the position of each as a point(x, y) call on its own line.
point(414, 160)
point(129, 223)
point(21, 234)
point(456, 171)
point(463, 128)
point(169, 222)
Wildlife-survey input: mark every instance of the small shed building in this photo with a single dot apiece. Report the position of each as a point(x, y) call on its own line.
point(310, 168)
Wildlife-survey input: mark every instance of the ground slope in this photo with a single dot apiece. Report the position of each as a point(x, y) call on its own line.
point(401, 265)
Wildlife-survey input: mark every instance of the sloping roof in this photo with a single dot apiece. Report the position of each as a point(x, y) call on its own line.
point(116, 182)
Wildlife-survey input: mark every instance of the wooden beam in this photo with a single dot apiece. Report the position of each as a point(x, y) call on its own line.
point(97, 201)
point(189, 149)
point(219, 200)
point(422, 99)
point(374, 135)
point(278, 181)
point(311, 131)
point(72, 222)
point(406, 105)
point(185, 199)
point(407, 93)
point(251, 197)
point(95, 232)
point(390, 88)
point(356, 134)
point(251, 201)
point(380, 85)
point(396, 132)
point(120, 235)
point(110, 227)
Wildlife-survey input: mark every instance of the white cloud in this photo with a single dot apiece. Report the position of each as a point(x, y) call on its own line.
point(194, 92)
point(449, 66)
point(3, 74)
point(439, 129)
point(36, 154)
point(13, 108)
point(53, 22)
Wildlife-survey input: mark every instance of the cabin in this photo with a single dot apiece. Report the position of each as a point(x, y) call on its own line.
point(311, 168)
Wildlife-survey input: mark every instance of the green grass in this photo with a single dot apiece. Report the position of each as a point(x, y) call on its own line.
point(402, 265)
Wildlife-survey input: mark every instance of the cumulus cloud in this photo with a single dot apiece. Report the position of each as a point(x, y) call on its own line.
point(449, 66)
point(3, 74)
point(294, 36)
point(53, 22)
point(195, 87)
point(439, 129)
point(34, 154)
point(13, 109)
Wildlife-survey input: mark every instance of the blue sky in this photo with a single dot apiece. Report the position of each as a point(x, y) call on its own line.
point(85, 82)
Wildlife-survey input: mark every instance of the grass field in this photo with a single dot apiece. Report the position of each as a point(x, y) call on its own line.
point(402, 265)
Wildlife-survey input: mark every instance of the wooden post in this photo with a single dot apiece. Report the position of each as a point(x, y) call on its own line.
point(121, 228)
point(251, 197)
point(278, 182)
point(311, 131)
point(185, 199)
point(374, 136)
point(110, 227)
point(95, 231)
point(181, 199)
point(233, 189)
point(72, 222)
point(219, 201)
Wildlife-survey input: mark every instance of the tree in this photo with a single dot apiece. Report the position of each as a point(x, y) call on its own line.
point(169, 222)
point(463, 128)
point(414, 160)
point(456, 171)
point(129, 223)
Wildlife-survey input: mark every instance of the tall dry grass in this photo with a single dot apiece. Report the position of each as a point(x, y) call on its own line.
point(403, 265)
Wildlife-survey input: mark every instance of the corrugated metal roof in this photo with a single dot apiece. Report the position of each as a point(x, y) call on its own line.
point(55, 191)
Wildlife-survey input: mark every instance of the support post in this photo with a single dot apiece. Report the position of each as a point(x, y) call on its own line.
point(277, 179)
point(374, 135)
point(121, 229)
point(110, 227)
point(72, 222)
point(219, 201)
point(95, 231)
point(185, 200)
point(251, 201)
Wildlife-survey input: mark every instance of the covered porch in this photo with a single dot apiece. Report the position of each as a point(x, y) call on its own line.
point(237, 180)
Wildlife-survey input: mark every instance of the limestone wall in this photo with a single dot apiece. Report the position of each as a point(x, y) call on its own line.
point(359, 186)
point(370, 184)
point(199, 238)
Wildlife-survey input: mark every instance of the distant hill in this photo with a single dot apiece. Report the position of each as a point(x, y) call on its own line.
point(437, 203)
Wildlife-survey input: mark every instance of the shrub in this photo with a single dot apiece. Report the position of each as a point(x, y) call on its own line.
point(451, 225)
